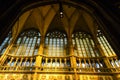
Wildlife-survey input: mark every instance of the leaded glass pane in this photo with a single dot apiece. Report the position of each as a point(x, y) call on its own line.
point(84, 45)
point(27, 43)
point(56, 42)
point(5, 43)
point(107, 49)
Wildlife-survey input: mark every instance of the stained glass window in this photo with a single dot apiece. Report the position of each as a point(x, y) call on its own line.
point(27, 43)
point(55, 43)
point(84, 45)
point(105, 44)
point(5, 43)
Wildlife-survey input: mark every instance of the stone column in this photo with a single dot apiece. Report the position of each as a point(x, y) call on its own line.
point(72, 57)
point(39, 57)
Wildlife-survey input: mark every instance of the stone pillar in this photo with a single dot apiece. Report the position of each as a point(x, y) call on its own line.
point(40, 52)
point(39, 57)
point(72, 57)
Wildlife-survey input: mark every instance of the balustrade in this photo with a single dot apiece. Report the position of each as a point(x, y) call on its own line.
point(56, 64)
point(96, 65)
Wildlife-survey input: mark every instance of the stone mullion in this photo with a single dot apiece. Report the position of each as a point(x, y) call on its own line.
point(106, 60)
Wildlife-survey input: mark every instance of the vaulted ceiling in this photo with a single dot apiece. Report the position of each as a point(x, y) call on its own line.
point(47, 18)
point(44, 15)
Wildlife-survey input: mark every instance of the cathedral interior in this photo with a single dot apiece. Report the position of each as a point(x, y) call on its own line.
point(59, 40)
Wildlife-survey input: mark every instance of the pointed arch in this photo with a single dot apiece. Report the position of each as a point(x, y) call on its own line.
point(27, 43)
point(55, 43)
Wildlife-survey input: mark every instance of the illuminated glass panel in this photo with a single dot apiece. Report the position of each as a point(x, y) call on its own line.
point(105, 45)
point(5, 43)
point(27, 43)
point(84, 45)
point(55, 43)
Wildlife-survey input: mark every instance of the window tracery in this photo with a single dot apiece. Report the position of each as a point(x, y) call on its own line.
point(5, 43)
point(22, 54)
point(55, 43)
point(107, 49)
point(84, 45)
point(27, 44)
point(86, 53)
point(85, 50)
point(105, 45)
point(56, 51)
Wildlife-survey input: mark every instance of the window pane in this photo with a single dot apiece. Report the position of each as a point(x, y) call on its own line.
point(56, 43)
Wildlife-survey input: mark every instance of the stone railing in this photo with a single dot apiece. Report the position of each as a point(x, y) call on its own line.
point(58, 69)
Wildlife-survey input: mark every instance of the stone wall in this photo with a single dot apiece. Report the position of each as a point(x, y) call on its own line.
point(54, 77)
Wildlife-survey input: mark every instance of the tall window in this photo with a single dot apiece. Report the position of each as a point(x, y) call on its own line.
point(5, 43)
point(107, 49)
point(27, 43)
point(55, 43)
point(84, 45)
point(105, 45)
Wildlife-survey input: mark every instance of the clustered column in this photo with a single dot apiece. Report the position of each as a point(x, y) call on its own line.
point(39, 57)
point(72, 57)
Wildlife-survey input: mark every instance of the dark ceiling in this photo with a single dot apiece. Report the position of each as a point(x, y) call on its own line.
point(108, 12)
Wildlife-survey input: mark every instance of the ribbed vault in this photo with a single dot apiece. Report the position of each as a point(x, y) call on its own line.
point(47, 18)
point(46, 46)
